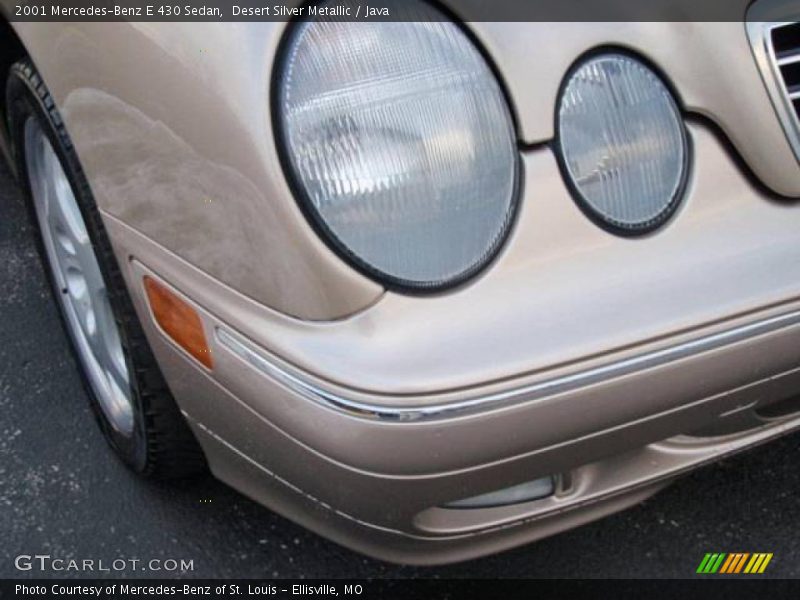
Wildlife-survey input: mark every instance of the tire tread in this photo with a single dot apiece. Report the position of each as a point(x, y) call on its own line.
point(171, 449)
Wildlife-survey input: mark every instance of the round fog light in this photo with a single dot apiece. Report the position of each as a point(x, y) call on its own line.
point(622, 142)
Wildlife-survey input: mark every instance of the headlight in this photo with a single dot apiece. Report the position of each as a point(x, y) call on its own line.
point(400, 144)
point(622, 142)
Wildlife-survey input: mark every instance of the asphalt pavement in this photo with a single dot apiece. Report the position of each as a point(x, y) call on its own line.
point(63, 493)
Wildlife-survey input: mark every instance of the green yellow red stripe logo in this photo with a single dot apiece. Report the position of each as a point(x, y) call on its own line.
point(734, 563)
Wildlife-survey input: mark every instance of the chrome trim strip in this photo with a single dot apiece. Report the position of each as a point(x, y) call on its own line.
point(789, 60)
point(301, 383)
point(760, 35)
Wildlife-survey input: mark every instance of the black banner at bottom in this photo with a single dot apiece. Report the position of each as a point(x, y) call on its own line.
point(385, 589)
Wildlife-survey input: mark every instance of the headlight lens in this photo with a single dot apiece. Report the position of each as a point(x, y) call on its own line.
point(400, 143)
point(622, 142)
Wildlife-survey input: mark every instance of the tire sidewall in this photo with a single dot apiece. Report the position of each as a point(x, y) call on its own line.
point(27, 98)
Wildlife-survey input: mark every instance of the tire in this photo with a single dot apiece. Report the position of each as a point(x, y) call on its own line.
point(139, 418)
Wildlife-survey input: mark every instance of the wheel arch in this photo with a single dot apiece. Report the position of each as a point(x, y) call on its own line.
point(11, 50)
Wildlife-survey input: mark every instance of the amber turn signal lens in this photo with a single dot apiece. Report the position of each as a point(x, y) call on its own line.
point(178, 320)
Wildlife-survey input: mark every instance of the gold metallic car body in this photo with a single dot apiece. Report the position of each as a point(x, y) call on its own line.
point(610, 363)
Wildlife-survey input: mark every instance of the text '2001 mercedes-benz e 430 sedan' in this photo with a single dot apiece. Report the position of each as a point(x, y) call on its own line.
point(431, 288)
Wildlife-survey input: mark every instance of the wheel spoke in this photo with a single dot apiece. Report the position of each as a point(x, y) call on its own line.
point(75, 268)
point(63, 209)
point(110, 339)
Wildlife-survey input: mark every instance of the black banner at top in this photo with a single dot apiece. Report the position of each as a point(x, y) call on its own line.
point(388, 10)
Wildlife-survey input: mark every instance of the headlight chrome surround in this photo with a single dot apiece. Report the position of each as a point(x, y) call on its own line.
point(616, 136)
point(500, 209)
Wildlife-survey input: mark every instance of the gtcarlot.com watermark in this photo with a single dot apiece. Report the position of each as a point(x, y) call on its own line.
point(48, 563)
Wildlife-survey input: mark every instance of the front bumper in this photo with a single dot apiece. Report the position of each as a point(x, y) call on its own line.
point(378, 486)
point(556, 362)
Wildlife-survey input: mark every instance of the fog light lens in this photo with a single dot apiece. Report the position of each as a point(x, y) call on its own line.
point(524, 492)
point(622, 142)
